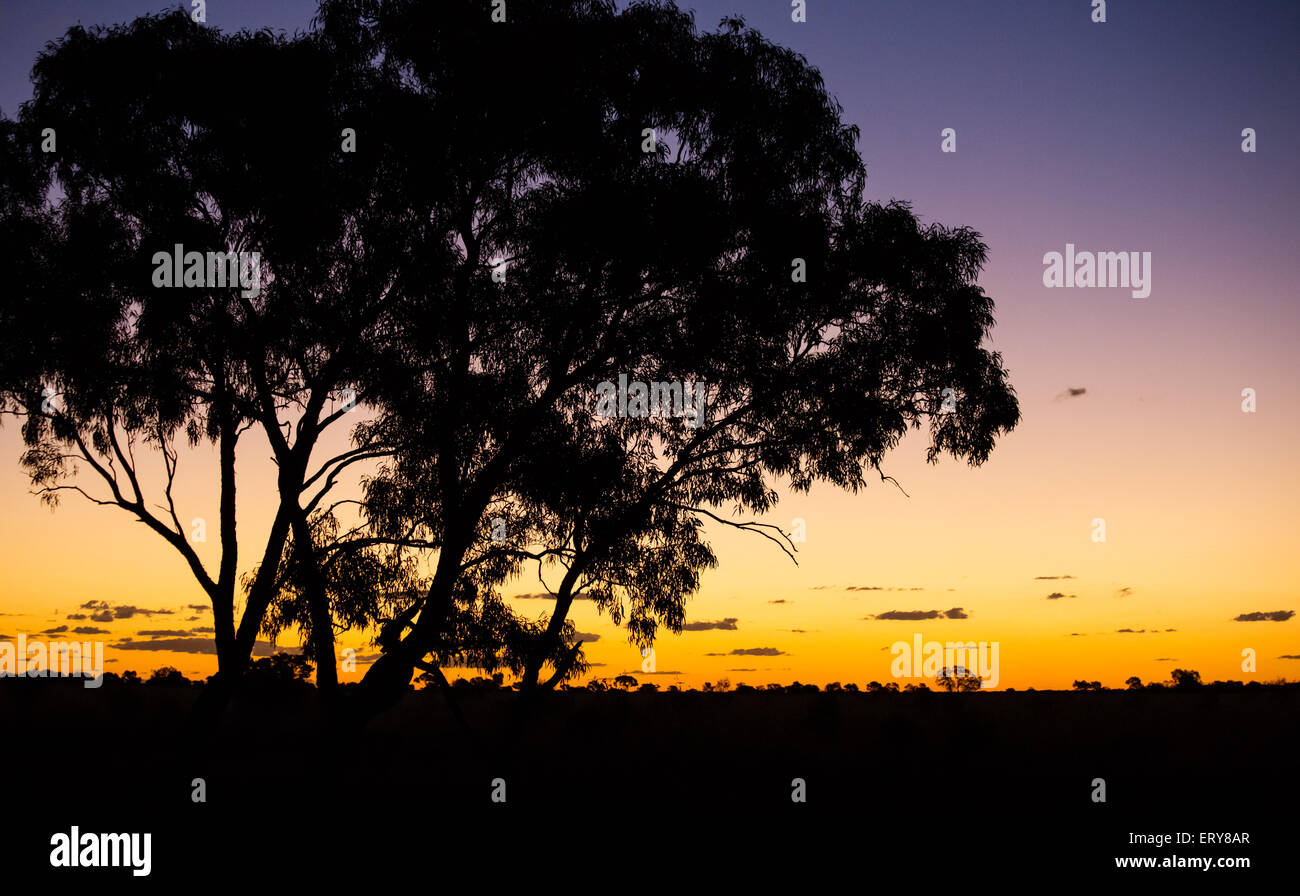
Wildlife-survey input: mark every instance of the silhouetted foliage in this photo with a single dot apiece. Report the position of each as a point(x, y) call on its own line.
point(476, 683)
point(168, 677)
point(279, 670)
point(958, 679)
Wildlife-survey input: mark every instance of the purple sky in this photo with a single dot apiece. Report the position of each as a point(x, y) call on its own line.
point(1115, 135)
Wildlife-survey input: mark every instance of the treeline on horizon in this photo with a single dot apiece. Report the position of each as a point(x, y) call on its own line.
point(286, 670)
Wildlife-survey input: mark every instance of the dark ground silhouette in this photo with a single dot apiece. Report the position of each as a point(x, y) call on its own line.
point(996, 782)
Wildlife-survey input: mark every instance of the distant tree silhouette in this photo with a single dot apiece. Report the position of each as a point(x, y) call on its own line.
point(278, 670)
point(1134, 683)
point(958, 679)
point(477, 683)
point(1087, 685)
point(626, 682)
point(1186, 678)
point(168, 677)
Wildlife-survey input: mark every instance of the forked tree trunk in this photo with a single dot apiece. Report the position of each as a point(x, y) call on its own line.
point(235, 649)
point(551, 638)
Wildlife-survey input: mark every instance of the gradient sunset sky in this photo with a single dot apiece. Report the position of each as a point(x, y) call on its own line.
point(1122, 136)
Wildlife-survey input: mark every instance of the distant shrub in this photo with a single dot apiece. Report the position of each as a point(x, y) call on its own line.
point(168, 677)
point(958, 679)
point(278, 670)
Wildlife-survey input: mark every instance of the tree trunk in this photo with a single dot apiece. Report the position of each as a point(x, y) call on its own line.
point(322, 620)
point(205, 716)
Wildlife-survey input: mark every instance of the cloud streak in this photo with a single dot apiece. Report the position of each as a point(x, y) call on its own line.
point(917, 615)
point(103, 611)
point(195, 645)
point(725, 625)
point(1274, 616)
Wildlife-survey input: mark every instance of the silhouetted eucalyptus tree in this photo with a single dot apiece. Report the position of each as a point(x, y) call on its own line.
point(169, 134)
point(631, 196)
point(573, 197)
